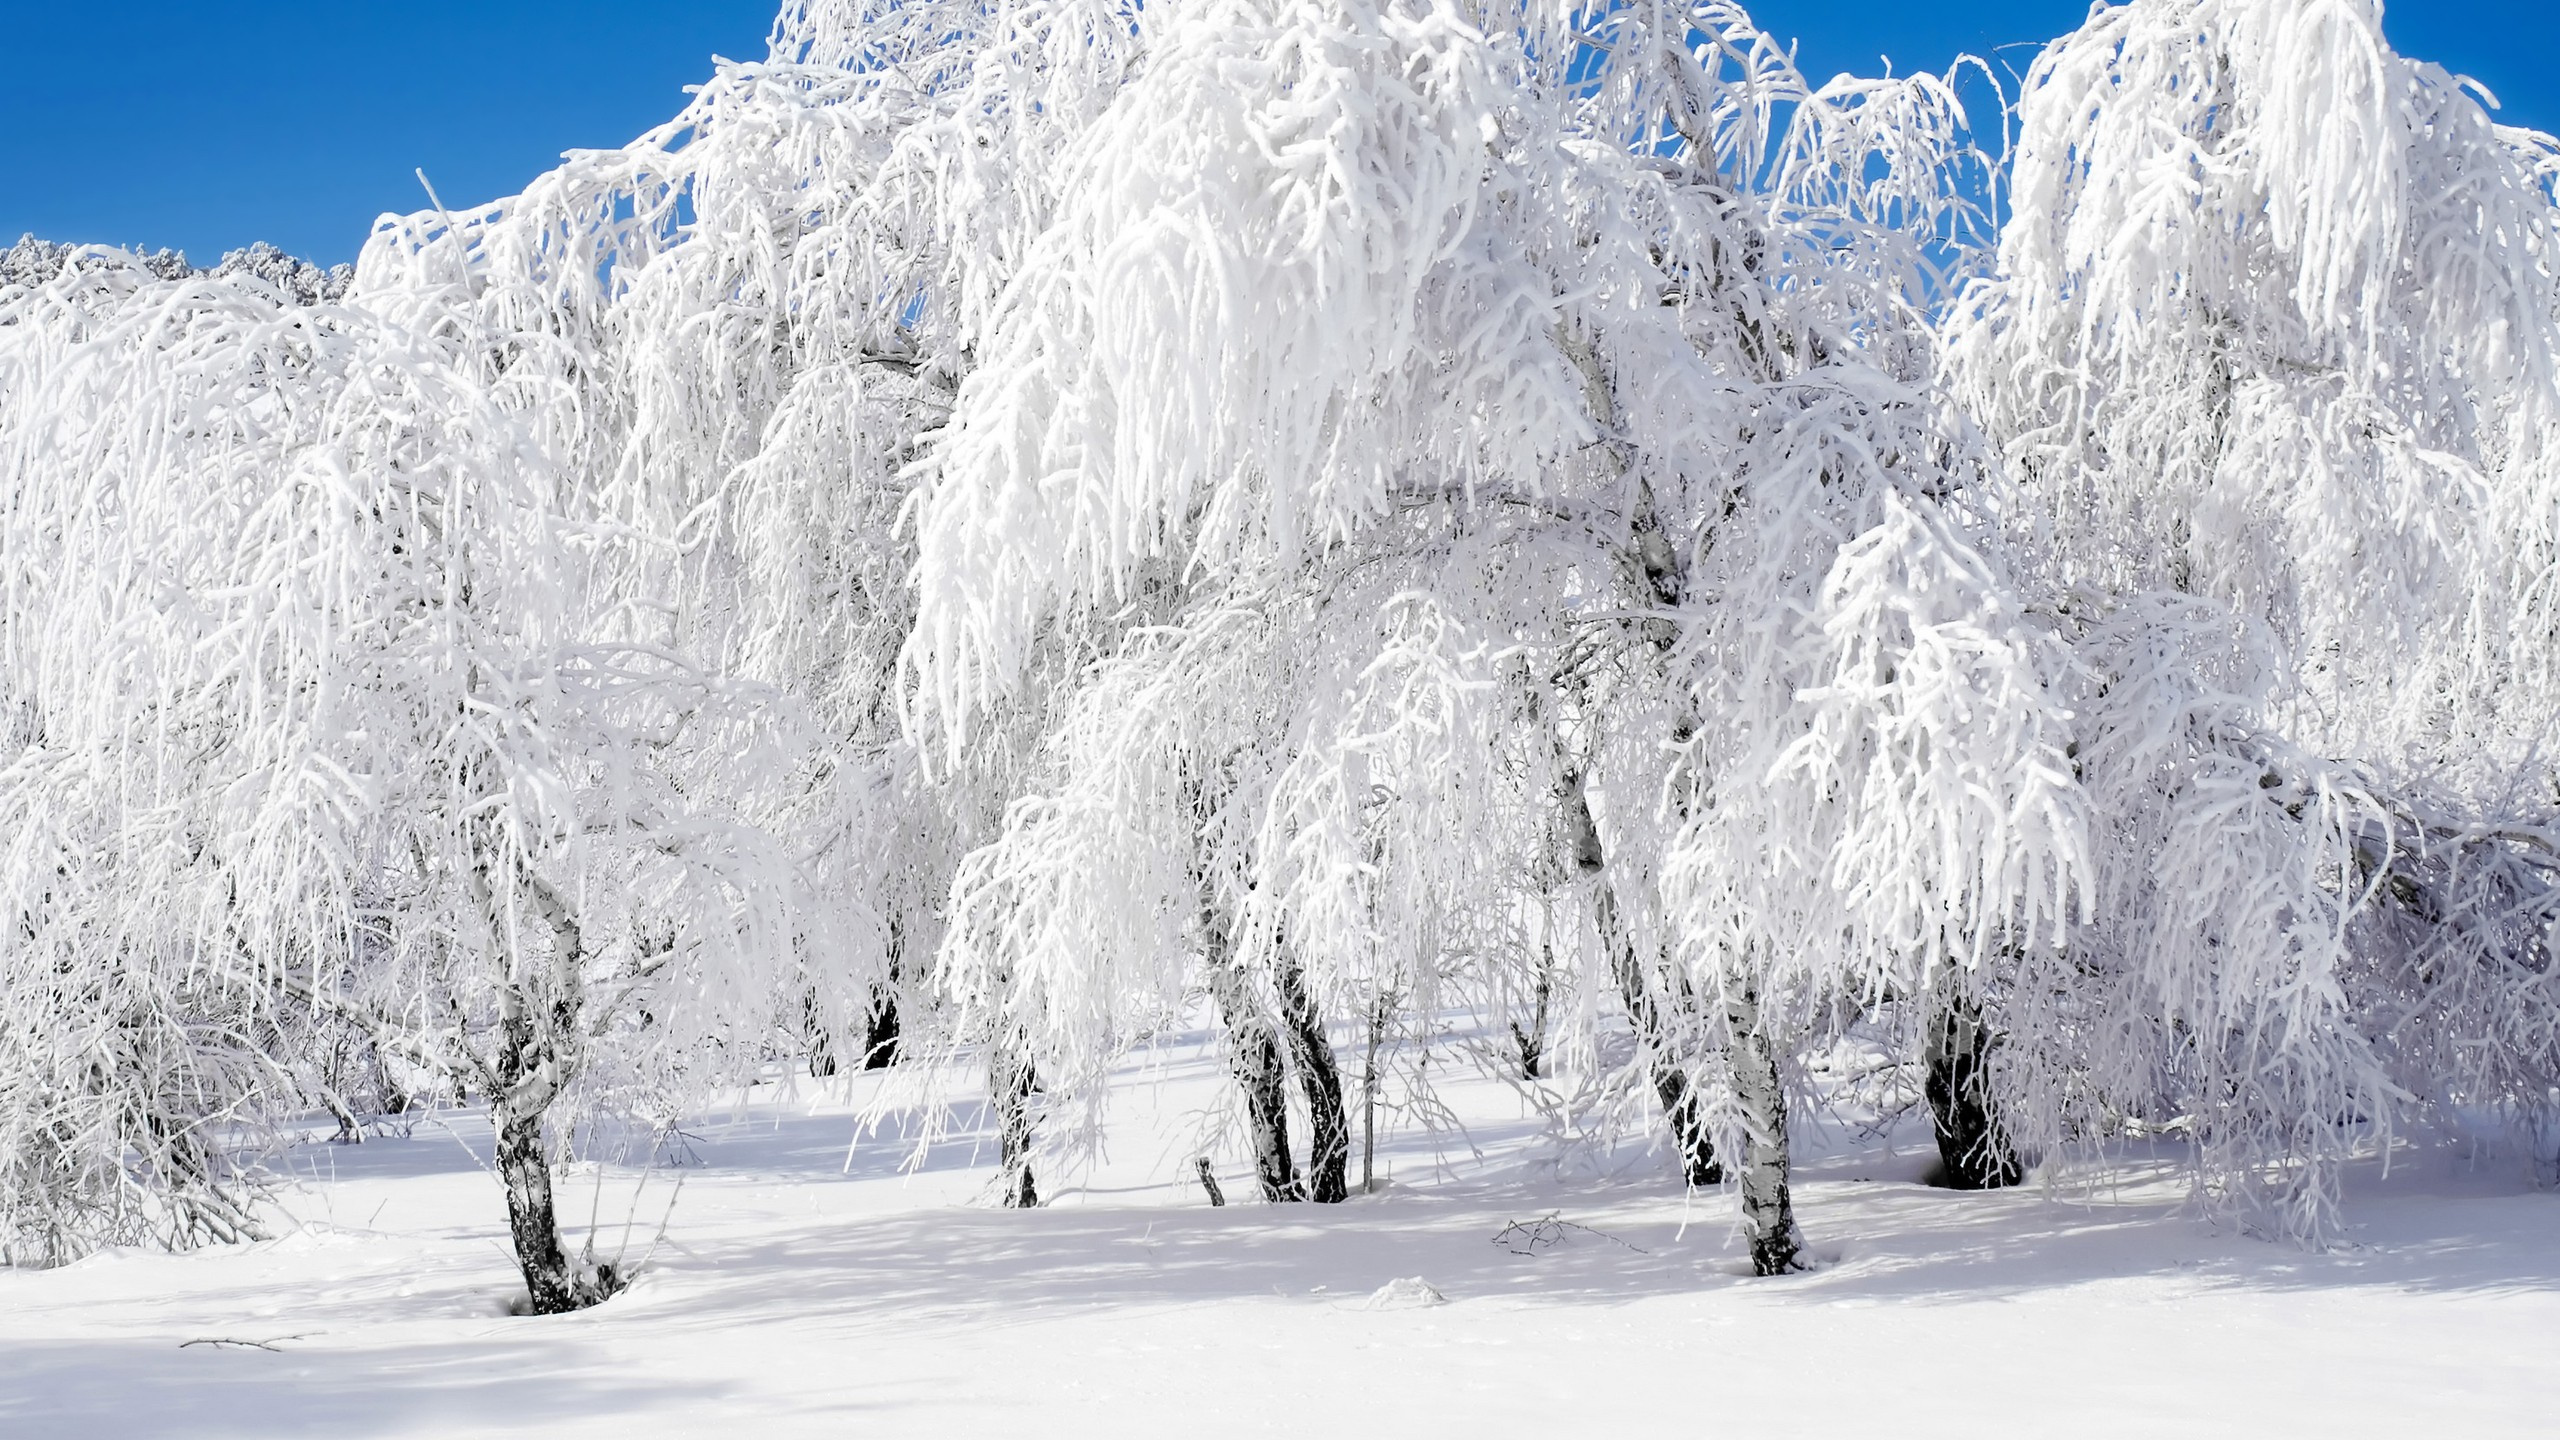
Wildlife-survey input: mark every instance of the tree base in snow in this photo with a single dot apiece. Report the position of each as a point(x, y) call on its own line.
point(582, 1290)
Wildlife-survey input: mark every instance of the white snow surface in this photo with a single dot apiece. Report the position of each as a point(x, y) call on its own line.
point(806, 1288)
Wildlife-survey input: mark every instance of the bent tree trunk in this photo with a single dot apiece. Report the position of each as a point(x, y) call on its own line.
point(1768, 1211)
point(553, 1285)
point(538, 1013)
point(1014, 1083)
point(529, 1072)
point(1320, 1080)
point(1653, 570)
point(1972, 1147)
point(1682, 1112)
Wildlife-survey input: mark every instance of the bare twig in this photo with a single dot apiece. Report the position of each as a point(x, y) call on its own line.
point(273, 1346)
point(1528, 1237)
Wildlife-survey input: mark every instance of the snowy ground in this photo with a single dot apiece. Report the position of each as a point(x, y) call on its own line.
point(797, 1292)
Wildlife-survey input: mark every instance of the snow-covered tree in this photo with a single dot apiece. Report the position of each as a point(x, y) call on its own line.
point(1588, 346)
point(1015, 522)
point(338, 693)
point(2269, 358)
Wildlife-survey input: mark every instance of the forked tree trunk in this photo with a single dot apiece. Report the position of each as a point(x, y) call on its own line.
point(1973, 1149)
point(1768, 1211)
point(1320, 1080)
point(1015, 1082)
point(1253, 1057)
point(1682, 1113)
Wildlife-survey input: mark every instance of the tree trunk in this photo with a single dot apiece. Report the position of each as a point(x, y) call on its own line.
point(822, 1040)
point(538, 1014)
point(553, 1285)
point(1369, 1100)
point(1685, 1116)
point(394, 1098)
point(880, 1033)
point(1320, 1080)
point(1531, 1040)
point(1682, 1114)
point(1015, 1083)
point(529, 1075)
point(1768, 1212)
point(1253, 1056)
point(880, 1039)
point(1972, 1147)
point(1653, 570)
point(335, 1082)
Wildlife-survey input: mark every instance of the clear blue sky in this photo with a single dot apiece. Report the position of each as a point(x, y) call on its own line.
point(203, 126)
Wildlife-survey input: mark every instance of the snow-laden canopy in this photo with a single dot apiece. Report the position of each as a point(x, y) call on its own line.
point(2269, 357)
point(1031, 518)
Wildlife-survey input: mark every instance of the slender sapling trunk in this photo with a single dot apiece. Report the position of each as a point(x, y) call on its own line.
point(1369, 1099)
point(1682, 1113)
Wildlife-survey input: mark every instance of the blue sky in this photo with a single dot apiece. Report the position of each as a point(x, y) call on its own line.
point(202, 126)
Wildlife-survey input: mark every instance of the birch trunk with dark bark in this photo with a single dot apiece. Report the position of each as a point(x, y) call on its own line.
point(1973, 1150)
point(880, 1033)
point(1320, 1081)
point(822, 1040)
point(1253, 1054)
point(538, 1054)
point(1014, 1083)
point(1253, 1057)
point(1682, 1113)
point(1768, 1208)
point(1529, 1041)
point(553, 1284)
